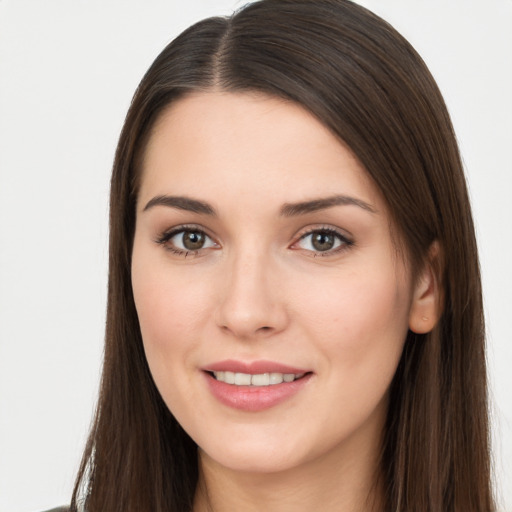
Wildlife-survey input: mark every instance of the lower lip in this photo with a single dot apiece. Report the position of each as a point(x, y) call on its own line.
point(254, 398)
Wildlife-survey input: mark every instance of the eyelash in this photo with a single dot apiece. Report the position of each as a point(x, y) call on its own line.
point(166, 236)
point(345, 242)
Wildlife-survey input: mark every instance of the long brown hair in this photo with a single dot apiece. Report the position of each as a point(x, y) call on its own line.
point(365, 82)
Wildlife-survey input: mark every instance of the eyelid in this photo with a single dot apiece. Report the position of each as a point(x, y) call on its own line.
point(342, 235)
point(345, 238)
point(165, 236)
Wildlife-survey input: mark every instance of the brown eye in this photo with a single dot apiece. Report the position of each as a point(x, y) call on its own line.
point(193, 240)
point(186, 240)
point(323, 241)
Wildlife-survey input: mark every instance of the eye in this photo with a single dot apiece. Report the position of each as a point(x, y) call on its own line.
point(325, 240)
point(186, 240)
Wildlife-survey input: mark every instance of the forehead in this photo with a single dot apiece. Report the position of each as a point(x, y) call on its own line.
point(248, 145)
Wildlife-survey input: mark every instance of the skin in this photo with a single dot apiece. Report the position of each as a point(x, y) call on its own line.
point(260, 290)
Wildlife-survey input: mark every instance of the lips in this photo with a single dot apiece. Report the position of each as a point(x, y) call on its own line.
point(253, 368)
point(254, 386)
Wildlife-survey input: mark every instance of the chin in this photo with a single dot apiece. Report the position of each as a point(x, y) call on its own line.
point(262, 455)
point(251, 461)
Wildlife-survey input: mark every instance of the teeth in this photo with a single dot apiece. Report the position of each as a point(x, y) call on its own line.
point(275, 378)
point(242, 379)
point(260, 379)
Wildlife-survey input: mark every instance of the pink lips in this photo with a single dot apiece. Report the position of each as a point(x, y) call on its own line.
point(254, 398)
point(254, 367)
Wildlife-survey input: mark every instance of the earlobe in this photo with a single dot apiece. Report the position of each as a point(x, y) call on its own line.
point(426, 303)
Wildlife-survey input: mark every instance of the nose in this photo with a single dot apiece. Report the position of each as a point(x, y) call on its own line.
point(251, 303)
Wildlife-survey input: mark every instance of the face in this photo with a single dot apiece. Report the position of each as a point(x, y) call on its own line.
point(272, 301)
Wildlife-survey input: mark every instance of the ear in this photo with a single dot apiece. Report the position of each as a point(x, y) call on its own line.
point(426, 306)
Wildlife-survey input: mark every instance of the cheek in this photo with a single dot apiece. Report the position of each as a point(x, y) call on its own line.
point(164, 313)
point(171, 314)
point(159, 310)
point(360, 319)
point(169, 302)
point(171, 310)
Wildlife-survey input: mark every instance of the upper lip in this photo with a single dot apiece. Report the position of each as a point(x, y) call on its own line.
point(253, 367)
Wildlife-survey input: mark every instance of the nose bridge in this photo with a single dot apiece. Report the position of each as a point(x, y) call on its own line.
point(250, 303)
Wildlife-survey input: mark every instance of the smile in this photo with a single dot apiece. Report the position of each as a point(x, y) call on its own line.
point(255, 389)
point(259, 379)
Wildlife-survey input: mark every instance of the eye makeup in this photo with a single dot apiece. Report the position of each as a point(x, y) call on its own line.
point(186, 240)
point(191, 240)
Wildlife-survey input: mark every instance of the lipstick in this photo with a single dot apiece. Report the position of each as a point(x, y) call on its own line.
point(254, 386)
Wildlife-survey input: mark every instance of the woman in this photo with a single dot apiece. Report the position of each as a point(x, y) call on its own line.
point(294, 313)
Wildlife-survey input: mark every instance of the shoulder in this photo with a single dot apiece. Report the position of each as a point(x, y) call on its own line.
point(58, 509)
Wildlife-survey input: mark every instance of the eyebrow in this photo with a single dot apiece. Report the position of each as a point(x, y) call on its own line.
point(294, 209)
point(287, 210)
point(181, 203)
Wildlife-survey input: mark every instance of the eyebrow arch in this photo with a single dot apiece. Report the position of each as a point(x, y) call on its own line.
point(294, 209)
point(181, 203)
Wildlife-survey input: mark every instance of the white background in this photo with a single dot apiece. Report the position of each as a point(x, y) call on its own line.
point(68, 69)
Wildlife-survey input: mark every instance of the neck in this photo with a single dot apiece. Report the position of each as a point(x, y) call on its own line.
point(342, 481)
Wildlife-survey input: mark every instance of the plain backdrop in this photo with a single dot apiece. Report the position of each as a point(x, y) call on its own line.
point(68, 69)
